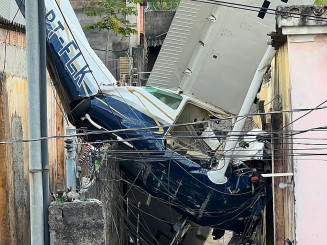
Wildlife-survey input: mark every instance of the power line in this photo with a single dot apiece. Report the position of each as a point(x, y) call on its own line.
point(260, 9)
point(126, 130)
point(283, 134)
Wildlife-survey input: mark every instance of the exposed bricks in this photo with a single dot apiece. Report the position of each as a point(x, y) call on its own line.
point(13, 38)
point(12, 33)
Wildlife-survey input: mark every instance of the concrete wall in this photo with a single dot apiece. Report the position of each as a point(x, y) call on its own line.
point(157, 22)
point(98, 38)
point(76, 223)
point(14, 180)
point(109, 191)
point(307, 54)
point(309, 81)
point(279, 94)
point(298, 80)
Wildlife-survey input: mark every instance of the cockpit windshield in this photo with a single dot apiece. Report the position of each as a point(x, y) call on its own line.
point(170, 99)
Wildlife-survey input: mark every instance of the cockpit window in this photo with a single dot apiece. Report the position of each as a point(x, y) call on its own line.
point(170, 99)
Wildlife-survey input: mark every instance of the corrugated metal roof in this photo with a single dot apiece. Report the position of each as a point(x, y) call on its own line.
point(8, 25)
point(155, 41)
point(5, 9)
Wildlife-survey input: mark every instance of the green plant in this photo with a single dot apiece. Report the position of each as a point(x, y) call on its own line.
point(320, 2)
point(170, 5)
point(112, 15)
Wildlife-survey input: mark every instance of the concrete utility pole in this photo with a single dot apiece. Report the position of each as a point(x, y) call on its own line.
point(44, 121)
point(35, 40)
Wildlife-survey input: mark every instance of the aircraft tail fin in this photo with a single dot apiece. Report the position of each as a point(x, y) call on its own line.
point(76, 71)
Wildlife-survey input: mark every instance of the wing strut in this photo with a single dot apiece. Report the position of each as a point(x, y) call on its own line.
point(217, 175)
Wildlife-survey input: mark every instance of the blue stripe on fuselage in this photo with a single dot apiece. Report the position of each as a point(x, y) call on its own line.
point(166, 173)
point(67, 58)
point(113, 114)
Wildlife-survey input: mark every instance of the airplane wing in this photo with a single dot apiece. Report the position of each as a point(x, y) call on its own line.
point(211, 52)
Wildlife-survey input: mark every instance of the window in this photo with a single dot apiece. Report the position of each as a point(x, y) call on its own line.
point(170, 99)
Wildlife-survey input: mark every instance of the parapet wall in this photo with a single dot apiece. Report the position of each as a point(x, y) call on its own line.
point(76, 222)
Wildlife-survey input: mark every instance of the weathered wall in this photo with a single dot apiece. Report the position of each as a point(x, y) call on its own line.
point(61, 160)
point(98, 38)
point(14, 121)
point(14, 180)
point(157, 22)
point(275, 92)
point(4, 207)
point(139, 57)
point(109, 191)
point(306, 56)
point(76, 223)
point(283, 199)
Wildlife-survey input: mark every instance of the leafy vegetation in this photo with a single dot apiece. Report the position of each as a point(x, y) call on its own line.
point(162, 5)
point(320, 2)
point(112, 15)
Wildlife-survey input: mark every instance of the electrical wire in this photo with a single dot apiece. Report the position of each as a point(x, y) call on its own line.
point(260, 9)
point(302, 131)
point(245, 206)
point(60, 108)
point(145, 192)
point(100, 88)
point(184, 195)
point(63, 16)
point(241, 208)
point(145, 223)
point(179, 206)
point(285, 135)
point(309, 111)
point(94, 132)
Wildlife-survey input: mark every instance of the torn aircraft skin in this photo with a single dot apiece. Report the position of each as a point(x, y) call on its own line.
point(165, 163)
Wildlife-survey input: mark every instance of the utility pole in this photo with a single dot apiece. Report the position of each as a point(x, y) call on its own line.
point(44, 121)
point(35, 76)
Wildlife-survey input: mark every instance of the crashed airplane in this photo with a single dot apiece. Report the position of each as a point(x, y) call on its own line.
point(175, 143)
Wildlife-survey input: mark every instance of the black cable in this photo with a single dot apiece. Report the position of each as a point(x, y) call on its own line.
point(122, 212)
point(259, 9)
point(170, 125)
point(63, 16)
point(313, 109)
point(303, 131)
point(61, 109)
point(286, 136)
point(180, 206)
